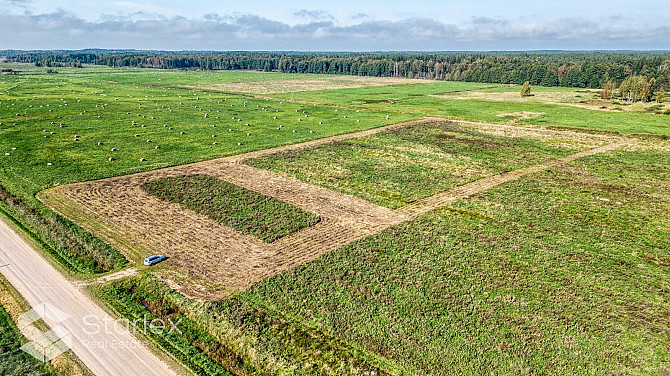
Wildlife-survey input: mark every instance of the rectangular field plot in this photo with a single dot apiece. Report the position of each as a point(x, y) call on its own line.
point(564, 271)
point(246, 211)
point(403, 165)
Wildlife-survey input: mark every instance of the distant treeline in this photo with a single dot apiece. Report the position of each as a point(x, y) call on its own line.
point(570, 69)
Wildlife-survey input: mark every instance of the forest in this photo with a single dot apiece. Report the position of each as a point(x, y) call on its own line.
point(552, 68)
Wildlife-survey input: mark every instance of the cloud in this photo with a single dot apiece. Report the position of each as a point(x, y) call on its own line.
point(16, 3)
point(487, 21)
point(315, 15)
point(151, 30)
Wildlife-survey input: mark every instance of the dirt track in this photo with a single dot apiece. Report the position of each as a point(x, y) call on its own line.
point(209, 260)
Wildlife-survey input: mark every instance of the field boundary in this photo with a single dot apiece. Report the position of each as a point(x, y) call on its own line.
point(209, 260)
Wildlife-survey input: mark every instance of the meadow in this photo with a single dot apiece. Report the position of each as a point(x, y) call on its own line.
point(403, 165)
point(432, 101)
point(246, 211)
point(97, 122)
point(562, 271)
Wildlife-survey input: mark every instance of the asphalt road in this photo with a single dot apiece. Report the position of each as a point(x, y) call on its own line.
point(110, 351)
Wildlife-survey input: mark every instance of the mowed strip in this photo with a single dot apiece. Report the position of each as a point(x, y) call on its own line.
point(209, 260)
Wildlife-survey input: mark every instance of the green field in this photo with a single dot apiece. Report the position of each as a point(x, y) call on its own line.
point(400, 166)
point(562, 272)
point(98, 122)
point(408, 99)
point(565, 271)
point(246, 211)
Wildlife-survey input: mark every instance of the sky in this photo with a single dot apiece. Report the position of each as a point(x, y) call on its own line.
point(340, 25)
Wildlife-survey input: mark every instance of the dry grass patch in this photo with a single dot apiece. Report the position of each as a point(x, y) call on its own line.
point(587, 98)
point(309, 84)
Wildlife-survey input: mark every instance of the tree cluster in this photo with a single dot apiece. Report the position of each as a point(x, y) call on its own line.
point(569, 69)
point(637, 88)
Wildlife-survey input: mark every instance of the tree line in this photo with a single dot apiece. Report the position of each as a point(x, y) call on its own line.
point(569, 69)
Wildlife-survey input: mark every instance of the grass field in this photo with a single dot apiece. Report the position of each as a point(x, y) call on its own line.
point(403, 165)
point(563, 270)
point(429, 100)
point(97, 122)
point(249, 212)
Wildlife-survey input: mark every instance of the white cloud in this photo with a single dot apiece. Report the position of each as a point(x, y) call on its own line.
point(146, 29)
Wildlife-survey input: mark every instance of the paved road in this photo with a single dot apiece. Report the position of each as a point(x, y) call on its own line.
point(116, 352)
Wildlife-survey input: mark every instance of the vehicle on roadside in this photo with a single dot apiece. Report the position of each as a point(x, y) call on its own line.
point(153, 260)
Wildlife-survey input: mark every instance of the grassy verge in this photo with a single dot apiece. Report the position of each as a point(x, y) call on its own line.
point(13, 361)
point(246, 211)
point(238, 336)
point(562, 272)
point(399, 166)
point(72, 247)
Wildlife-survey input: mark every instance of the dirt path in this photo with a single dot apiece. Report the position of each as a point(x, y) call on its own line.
point(209, 260)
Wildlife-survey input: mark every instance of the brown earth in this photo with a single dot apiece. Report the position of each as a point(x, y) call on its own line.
point(208, 260)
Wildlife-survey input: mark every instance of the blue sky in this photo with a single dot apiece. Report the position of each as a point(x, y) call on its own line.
point(343, 25)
